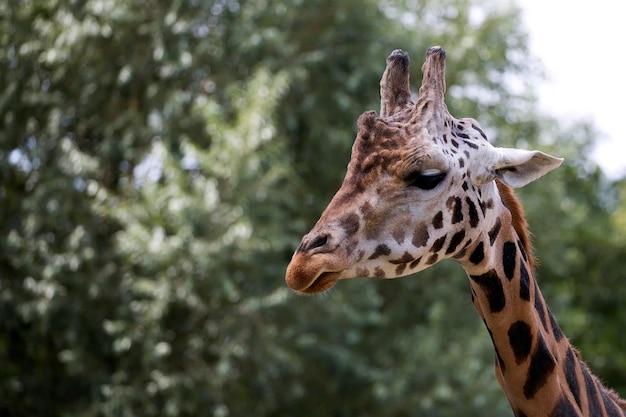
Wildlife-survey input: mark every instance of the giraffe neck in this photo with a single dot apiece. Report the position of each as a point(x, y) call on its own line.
point(539, 371)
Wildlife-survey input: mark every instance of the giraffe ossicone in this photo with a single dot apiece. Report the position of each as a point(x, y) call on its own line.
point(422, 186)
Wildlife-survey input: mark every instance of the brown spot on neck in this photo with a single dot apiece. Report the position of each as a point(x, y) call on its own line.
point(518, 217)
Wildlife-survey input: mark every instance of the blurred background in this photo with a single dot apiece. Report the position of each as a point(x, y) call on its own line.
point(160, 160)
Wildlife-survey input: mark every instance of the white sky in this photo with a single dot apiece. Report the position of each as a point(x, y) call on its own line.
point(583, 43)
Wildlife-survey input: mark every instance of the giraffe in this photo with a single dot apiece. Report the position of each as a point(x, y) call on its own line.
point(422, 186)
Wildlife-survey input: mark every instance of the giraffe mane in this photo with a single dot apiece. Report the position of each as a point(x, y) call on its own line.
point(614, 396)
point(520, 224)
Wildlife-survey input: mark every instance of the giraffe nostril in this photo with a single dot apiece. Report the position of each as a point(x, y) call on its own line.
point(313, 243)
point(318, 242)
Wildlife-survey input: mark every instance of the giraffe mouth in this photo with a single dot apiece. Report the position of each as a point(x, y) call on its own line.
point(314, 274)
point(324, 282)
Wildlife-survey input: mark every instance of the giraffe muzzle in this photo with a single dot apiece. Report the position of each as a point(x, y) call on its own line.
point(314, 268)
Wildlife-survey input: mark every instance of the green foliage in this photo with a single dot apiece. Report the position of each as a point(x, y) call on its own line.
point(159, 163)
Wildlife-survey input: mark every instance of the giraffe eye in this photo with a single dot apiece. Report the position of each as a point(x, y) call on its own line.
point(426, 180)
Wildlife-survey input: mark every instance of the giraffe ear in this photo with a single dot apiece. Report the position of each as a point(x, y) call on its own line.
point(518, 167)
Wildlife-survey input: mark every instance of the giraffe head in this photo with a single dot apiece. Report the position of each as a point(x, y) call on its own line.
point(418, 187)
